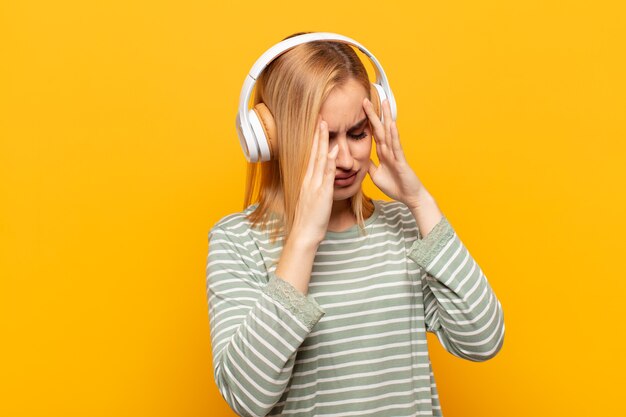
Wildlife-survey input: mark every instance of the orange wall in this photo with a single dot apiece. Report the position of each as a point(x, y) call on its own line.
point(118, 152)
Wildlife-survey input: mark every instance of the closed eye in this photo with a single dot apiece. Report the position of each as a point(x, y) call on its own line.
point(358, 136)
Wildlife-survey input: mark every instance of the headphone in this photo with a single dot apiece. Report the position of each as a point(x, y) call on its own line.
point(256, 127)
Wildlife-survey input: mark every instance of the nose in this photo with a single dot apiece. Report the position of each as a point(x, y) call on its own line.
point(344, 156)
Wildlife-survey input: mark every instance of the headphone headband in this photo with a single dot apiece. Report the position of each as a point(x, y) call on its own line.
point(243, 123)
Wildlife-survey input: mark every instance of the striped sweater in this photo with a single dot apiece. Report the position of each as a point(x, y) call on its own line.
point(356, 343)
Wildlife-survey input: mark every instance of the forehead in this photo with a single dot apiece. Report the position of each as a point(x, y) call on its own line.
point(344, 106)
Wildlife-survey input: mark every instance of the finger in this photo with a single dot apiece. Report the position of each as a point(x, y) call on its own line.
point(382, 149)
point(329, 175)
point(387, 117)
point(378, 129)
point(372, 168)
point(395, 139)
point(377, 126)
point(322, 154)
point(313, 156)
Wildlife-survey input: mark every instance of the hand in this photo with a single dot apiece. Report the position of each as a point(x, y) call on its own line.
point(393, 176)
point(316, 195)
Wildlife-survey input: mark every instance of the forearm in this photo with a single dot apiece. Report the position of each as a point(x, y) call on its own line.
point(253, 366)
point(296, 262)
point(470, 324)
point(426, 212)
point(257, 321)
point(254, 350)
point(460, 305)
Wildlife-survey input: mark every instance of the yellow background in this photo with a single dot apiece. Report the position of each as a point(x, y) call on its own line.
point(118, 152)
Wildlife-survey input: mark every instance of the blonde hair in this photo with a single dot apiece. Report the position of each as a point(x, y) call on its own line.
point(293, 87)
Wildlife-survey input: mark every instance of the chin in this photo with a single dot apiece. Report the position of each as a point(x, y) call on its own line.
point(342, 197)
point(345, 193)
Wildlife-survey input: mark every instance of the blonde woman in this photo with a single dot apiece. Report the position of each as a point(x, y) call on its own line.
point(320, 297)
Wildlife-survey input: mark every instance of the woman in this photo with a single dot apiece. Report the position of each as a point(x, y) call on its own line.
point(320, 297)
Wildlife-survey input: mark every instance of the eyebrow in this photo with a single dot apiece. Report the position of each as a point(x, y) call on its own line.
point(353, 128)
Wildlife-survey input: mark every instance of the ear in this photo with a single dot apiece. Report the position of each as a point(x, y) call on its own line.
point(375, 100)
point(269, 127)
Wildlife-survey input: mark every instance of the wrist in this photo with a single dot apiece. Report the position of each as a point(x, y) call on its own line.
point(302, 241)
point(422, 199)
point(426, 213)
point(296, 262)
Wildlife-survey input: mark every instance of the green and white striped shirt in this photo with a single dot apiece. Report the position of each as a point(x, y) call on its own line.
point(356, 343)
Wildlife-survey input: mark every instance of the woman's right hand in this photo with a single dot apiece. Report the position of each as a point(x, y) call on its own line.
point(316, 195)
point(312, 213)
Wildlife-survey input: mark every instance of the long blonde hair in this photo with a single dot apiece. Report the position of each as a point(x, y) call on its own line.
point(293, 87)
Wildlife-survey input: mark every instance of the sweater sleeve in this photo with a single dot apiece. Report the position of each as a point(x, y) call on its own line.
point(460, 306)
point(257, 320)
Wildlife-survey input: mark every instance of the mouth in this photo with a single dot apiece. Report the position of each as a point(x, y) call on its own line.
point(345, 180)
point(345, 176)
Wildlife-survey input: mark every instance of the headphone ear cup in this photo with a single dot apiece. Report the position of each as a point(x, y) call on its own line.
point(264, 128)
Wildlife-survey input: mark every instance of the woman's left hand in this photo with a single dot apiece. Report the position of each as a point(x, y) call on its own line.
point(393, 176)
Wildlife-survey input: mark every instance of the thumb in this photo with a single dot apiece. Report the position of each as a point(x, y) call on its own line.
point(372, 168)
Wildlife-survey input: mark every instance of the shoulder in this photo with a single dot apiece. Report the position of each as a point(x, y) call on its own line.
point(394, 210)
point(392, 206)
point(234, 225)
point(397, 216)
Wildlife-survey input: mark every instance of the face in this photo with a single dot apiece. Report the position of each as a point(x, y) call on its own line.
point(348, 126)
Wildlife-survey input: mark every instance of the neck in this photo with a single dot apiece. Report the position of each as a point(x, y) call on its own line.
point(340, 209)
point(341, 216)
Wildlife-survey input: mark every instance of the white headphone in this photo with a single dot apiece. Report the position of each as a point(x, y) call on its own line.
point(256, 127)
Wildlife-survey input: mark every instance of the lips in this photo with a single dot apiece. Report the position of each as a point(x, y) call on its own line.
point(344, 176)
point(345, 180)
